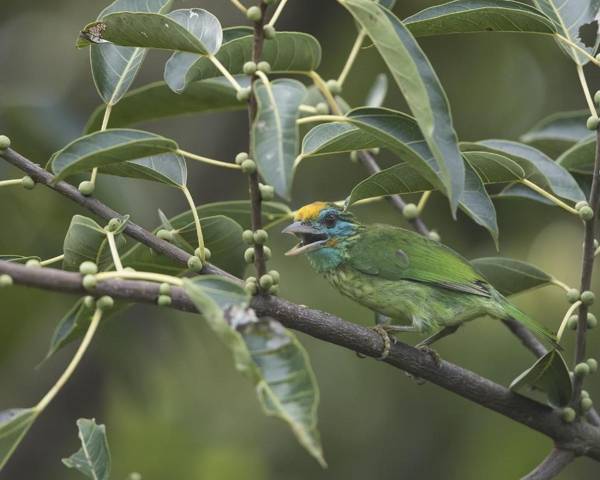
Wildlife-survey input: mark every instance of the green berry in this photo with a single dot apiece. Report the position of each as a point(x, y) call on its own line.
point(164, 289)
point(572, 322)
point(581, 204)
point(275, 275)
point(251, 280)
point(5, 280)
point(28, 183)
point(249, 255)
point(254, 13)
point(249, 68)
point(251, 288)
point(274, 290)
point(267, 252)
point(33, 263)
point(581, 369)
point(164, 301)
point(585, 394)
point(194, 264)
point(267, 192)
point(243, 94)
point(334, 87)
point(86, 188)
point(89, 302)
point(568, 415)
point(266, 281)
point(260, 237)
point(587, 297)
point(435, 236)
point(165, 235)
point(240, 157)
point(597, 97)
point(200, 250)
point(410, 211)
point(207, 253)
point(105, 303)
point(269, 31)
point(592, 122)
point(586, 404)
point(4, 142)
point(264, 67)
point(248, 166)
point(375, 151)
point(322, 108)
point(586, 213)
point(593, 364)
point(592, 321)
point(129, 269)
point(572, 295)
point(248, 237)
point(88, 268)
point(89, 282)
point(113, 225)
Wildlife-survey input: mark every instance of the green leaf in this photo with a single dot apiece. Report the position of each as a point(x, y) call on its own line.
point(518, 190)
point(71, 326)
point(467, 16)
point(576, 20)
point(167, 168)
point(100, 149)
point(287, 52)
point(86, 240)
point(14, 424)
point(549, 374)
point(580, 158)
point(275, 133)
point(558, 131)
point(113, 67)
point(187, 30)
point(156, 101)
point(420, 86)
point(494, 168)
point(378, 91)
point(267, 353)
point(510, 276)
point(93, 458)
point(18, 258)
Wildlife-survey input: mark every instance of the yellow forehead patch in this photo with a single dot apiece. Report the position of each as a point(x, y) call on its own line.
point(309, 212)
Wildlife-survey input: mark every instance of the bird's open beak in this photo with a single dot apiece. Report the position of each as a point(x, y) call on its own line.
point(310, 238)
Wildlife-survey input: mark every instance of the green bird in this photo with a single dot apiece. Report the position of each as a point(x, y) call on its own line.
point(419, 284)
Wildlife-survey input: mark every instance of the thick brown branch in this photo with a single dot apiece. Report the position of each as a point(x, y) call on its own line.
point(552, 465)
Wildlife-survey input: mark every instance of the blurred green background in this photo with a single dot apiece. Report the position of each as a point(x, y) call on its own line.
point(164, 386)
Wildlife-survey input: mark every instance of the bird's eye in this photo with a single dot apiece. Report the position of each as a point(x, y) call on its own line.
point(329, 221)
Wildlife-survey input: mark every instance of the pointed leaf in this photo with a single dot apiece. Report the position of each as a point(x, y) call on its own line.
point(550, 375)
point(168, 168)
point(558, 131)
point(466, 16)
point(510, 276)
point(188, 30)
point(580, 158)
point(93, 458)
point(287, 52)
point(100, 149)
point(275, 133)
point(577, 21)
point(114, 68)
point(378, 91)
point(421, 88)
point(520, 191)
point(14, 424)
point(156, 101)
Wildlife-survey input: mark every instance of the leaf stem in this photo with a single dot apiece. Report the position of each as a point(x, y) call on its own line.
point(104, 126)
point(307, 109)
point(586, 91)
point(560, 284)
point(360, 38)
point(322, 118)
point(148, 276)
point(52, 260)
point(277, 13)
point(549, 196)
point(64, 378)
point(322, 86)
point(590, 57)
point(225, 72)
point(110, 236)
point(9, 183)
point(565, 319)
point(190, 200)
point(209, 161)
point(423, 201)
point(239, 6)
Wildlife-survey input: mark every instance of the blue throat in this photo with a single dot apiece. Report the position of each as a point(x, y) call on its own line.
point(326, 258)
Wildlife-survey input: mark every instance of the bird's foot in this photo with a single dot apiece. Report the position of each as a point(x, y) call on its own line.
point(431, 352)
point(387, 341)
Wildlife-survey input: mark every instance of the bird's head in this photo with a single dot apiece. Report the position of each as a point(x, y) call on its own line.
point(321, 227)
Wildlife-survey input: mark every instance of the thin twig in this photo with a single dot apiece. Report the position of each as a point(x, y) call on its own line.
point(552, 465)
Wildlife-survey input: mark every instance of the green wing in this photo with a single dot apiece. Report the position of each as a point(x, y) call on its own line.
point(398, 254)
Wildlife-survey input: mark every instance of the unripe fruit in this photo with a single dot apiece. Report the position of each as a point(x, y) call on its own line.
point(207, 253)
point(264, 67)
point(572, 295)
point(592, 122)
point(593, 364)
point(322, 108)
point(597, 97)
point(274, 290)
point(585, 394)
point(435, 236)
point(33, 263)
point(89, 302)
point(28, 183)
point(586, 404)
point(249, 68)
point(194, 264)
point(165, 235)
point(261, 237)
point(410, 211)
point(86, 188)
point(4, 142)
point(88, 268)
point(129, 269)
point(274, 275)
point(240, 157)
point(164, 301)
point(267, 192)
point(266, 281)
point(586, 213)
point(113, 225)
point(5, 280)
point(243, 94)
point(267, 252)
point(251, 288)
point(254, 13)
point(375, 151)
point(581, 369)
point(334, 87)
point(592, 321)
point(251, 280)
point(89, 282)
point(249, 255)
point(568, 415)
point(572, 322)
point(269, 31)
point(105, 303)
point(579, 205)
point(248, 237)
point(164, 289)
point(587, 297)
point(248, 166)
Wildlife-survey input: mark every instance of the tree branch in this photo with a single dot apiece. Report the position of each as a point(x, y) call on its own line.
point(552, 465)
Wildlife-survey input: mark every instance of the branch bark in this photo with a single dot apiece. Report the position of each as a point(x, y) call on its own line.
point(552, 465)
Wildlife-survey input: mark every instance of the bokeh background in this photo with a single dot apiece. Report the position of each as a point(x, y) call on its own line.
point(164, 386)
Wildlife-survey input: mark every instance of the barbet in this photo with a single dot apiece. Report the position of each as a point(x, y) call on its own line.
point(417, 283)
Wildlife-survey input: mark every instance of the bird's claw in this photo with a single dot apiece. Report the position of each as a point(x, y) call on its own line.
point(432, 353)
point(387, 341)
